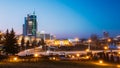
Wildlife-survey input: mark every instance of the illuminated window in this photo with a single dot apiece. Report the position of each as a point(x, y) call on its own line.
point(30, 22)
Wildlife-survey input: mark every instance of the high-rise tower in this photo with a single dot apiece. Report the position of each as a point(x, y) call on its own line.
point(30, 25)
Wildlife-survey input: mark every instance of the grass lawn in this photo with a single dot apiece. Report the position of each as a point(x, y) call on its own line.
point(53, 64)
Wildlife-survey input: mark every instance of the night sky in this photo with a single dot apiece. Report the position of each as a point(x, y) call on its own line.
point(64, 18)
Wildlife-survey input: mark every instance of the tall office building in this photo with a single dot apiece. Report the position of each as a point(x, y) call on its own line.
point(30, 25)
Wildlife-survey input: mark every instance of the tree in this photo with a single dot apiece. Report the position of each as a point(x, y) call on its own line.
point(22, 43)
point(10, 45)
point(27, 44)
point(95, 40)
point(43, 44)
point(34, 43)
point(1, 38)
point(39, 43)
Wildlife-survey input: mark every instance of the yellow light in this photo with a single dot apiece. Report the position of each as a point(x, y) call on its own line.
point(87, 50)
point(15, 58)
point(0, 33)
point(77, 55)
point(89, 40)
point(57, 42)
point(53, 58)
point(35, 55)
point(69, 55)
point(50, 58)
point(105, 47)
point(109, 40)
point(87, 57)
point(118, 52)
point(100, 61)
point(66, 42)
point(26, 39)
point(118, 66)
point(73, 56)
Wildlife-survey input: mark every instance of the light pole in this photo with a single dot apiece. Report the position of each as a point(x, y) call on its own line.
point(88, 49)
point(108, 41)
point(26, 39)
point(89, 41)
point(105, 48)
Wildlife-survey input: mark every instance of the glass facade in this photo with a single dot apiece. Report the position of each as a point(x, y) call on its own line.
point(30, 25)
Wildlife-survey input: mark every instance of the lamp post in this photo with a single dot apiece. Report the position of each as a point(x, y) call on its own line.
point(26, 39)
point(108, 41)
point(88, 49)
point(89, 41)
point(105, 48)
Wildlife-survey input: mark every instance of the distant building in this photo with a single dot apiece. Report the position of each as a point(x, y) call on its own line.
point(30, 25)
point(45, 36)
point(62, 43)
point(106, 35)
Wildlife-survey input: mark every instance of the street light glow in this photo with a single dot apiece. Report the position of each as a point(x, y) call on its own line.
point(87, 50)
point(118, 66)
point(35, 55)
point(26, 39)
point(109, 40)
point(105, 47)
point(87, 57)
point(89, 40)
point(100, 61)
point(119, 53)
point(77, 55)
point(15, 58)
point(73, 56)
point(53, 58)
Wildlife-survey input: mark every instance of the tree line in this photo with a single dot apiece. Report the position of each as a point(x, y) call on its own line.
point(11, 46)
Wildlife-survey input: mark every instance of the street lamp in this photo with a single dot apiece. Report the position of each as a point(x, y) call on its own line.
point(119, 52)
point(15, 58)
point(78, 55)
point(73, 57)
point(108, 41)
point(87, 50)
point(100, 61)
point(89, 41)
point(87, 57)
point(35, 55)
point(105, 48)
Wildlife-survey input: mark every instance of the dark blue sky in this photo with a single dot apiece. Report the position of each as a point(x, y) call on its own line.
point(64, 18)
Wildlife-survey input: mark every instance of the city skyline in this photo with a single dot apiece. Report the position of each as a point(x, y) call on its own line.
point(64, 18)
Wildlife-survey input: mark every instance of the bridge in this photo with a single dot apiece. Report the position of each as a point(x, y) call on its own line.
point(37, 51)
